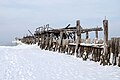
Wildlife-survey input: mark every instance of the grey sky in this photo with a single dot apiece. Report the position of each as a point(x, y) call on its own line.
point(17, 16)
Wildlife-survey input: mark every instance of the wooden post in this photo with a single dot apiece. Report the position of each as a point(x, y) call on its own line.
point(109, 52)
point(42, 41)
point(117, 49)
point(119, 54)
point(87, 35)
point(78, 27)
point(96, 32)
point(119, 45)
point(61, 37)
point(38, 40)
point(113, 50)
point(105, 25)
point(50, 43)
point(61, 41)
point(47, 41)
point(47, 26)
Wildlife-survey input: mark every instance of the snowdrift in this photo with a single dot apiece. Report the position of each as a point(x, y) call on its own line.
point(29, 62)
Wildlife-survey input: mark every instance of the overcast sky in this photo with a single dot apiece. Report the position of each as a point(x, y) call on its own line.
point(17, 16)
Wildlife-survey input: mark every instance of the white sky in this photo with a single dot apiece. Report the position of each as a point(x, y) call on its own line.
point(17, 16)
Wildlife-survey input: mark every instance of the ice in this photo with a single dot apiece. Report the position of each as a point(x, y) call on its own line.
point(29, 62)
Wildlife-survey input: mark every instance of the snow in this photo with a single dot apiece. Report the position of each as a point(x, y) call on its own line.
point(29, 62)
point(87, 44)
point(17, 42)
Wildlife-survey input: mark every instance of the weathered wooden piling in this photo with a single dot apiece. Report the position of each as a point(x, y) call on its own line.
point(87, 35)
point(42, 42)
point(113, 50)
point(115, 46)
point(61, 42)
point(47, 42)
point(119, 53)
point(50, 42)
point(78, 27)
point(81, 51)
point(96, 33)
point(105, 25)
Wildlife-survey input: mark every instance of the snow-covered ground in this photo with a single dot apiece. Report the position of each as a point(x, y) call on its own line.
point(25, 62)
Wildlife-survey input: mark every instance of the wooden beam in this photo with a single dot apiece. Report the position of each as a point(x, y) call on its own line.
point(72, 29)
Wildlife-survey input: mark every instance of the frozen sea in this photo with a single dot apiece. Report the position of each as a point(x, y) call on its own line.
point(29, 62)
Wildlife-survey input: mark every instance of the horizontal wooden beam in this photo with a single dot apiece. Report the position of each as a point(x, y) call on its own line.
point(73, 29)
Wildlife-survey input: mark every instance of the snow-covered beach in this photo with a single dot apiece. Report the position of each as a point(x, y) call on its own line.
point(29, 62)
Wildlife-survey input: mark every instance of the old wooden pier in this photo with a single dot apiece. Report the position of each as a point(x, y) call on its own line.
point(69, 41)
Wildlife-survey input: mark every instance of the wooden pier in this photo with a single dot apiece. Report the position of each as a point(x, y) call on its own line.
point(69, 41)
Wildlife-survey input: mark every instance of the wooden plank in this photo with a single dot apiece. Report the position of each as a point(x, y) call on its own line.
point(82, 30)
point(73, 29)
point(92, 29)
